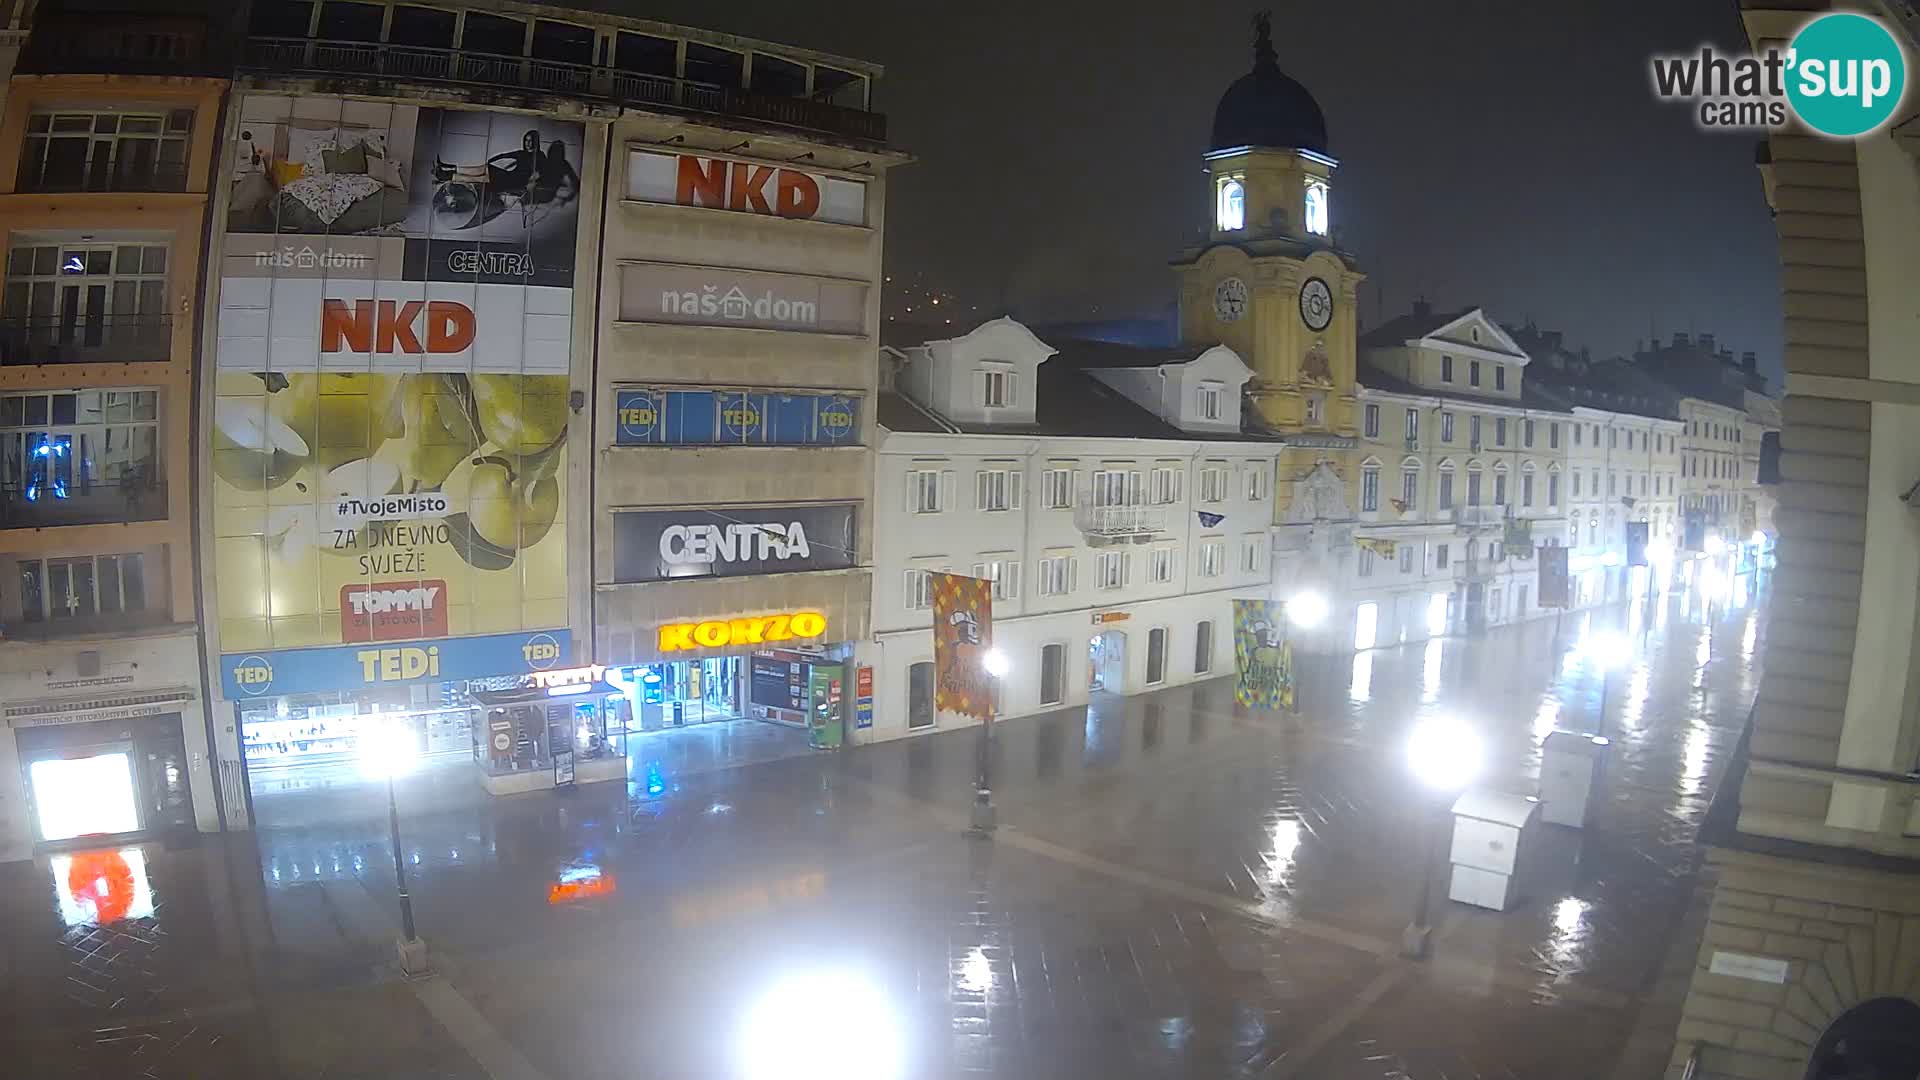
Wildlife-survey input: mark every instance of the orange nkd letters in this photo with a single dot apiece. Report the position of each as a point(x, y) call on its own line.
point(736, 185)
point(389, 326)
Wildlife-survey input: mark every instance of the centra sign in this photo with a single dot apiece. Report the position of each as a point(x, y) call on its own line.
point(755, 630)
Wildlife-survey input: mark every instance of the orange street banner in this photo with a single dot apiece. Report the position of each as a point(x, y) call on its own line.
point(962, 634)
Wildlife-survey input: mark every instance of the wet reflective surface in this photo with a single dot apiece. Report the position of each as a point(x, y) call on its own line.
point(1177, 890)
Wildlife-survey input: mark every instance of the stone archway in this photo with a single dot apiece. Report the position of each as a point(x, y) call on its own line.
point(1878, 1039)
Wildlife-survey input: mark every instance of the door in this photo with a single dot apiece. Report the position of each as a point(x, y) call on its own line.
point(1156, 656)
point(920, 695)
point(1366, 625)
point(1053, 674)
point(1113, 661)
point(1203, 648)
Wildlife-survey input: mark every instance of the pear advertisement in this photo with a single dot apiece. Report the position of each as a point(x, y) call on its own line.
point(389, 433)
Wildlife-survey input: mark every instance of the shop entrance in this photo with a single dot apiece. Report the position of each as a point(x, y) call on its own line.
point(683, 693)
point(106, 778)
point(1107, 661)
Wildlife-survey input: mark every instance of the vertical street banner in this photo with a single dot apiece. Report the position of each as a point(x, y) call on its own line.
point(388, 440)
point(1637, 532)
point(1262, 656)
point(962, 634)
point(1554, 587)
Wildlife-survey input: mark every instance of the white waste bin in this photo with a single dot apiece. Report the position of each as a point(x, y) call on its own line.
point(1492, 831)
point(1572, 765)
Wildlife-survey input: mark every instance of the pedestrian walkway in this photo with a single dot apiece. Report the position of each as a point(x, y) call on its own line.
point(1178, 890)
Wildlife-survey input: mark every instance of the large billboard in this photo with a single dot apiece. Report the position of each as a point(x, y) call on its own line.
point(391, 401)
point(655, 545)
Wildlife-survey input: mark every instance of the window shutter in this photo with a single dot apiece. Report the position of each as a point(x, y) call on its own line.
point(1179, 478)
point(1010, 573)
point(911, 590)
point(1073, 489)
point(946, 491)
point(979, 569)
point(913, 491)
point(980, 387)
point(980, 483)
point(1073, 574)
point(1016, 481)
point(1013, 388)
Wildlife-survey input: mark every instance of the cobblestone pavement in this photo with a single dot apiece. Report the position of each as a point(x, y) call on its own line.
point(1177, 890)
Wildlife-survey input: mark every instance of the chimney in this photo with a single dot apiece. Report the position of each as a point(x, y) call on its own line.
point(1750, 363)
point(1706, 342)
point(1422, 309)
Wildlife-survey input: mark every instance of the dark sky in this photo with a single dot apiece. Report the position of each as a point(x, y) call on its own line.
point(1505, 153)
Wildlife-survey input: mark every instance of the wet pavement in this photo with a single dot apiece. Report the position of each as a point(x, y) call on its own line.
point(1177, 890)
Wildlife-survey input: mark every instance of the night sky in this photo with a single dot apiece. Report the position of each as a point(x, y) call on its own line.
point(1504, 153)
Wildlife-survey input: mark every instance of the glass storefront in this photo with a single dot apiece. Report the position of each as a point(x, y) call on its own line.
point(682, 693)
point(106, 778)
point(792, 688)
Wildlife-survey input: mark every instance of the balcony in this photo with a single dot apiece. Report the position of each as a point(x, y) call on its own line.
point(138, 495)
point(1120, 524)
point(303, 56)
point(130, 178)
point(123, 339)
point(1479, 517)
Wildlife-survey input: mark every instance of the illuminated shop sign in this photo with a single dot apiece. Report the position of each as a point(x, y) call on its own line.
point(712, 296)
point(753, 630)
point(654, 545)
point(744, 187)
point(573, 676)
point(652, 417)
point(348, 667)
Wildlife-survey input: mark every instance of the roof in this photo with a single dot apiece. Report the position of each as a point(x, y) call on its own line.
point(1082, 353)
point(1405, 328)
point(1070, 403)
point(1374, 378)
point(1267, 108)
point(897, 412)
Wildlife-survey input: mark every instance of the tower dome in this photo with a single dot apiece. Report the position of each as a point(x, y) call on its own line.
point(1266, 108)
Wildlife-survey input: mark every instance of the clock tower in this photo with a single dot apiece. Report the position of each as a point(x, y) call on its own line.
point(1268, 281)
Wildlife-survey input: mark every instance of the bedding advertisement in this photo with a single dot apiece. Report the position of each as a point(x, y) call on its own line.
point(389, 435)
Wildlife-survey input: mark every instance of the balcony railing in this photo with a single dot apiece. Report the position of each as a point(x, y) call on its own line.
point(286, 56)
point(131, 178)
point(123, 339)
point(1478, 517)
point(1122, 522)
point(139, 495)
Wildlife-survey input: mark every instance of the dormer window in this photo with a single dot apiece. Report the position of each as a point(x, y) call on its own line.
point(1208, 401)
point(996, 387)
point(1231, 214)
point(1316, 207)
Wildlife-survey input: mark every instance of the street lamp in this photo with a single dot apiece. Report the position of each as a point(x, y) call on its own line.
point(1307, 610)
point(385, 751)
point(1444, 756)
point(1609, 650)
point(994, 663)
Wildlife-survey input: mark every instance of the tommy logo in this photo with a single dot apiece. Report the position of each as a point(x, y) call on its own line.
point(393, 611)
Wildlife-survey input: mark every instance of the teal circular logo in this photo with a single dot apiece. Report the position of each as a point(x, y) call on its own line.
point(1846, 74)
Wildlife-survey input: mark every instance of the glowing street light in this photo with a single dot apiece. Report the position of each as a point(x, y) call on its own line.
point(1609, 650)
point(1307, 609)
point(1444, 755)
point(1715, 546)
point(994, 663)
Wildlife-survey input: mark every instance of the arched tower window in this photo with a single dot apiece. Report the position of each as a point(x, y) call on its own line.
point(1316, 208)
point(1232, 212)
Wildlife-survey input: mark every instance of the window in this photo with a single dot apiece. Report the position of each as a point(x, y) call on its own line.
point(705, 63)
point(927, 490)
point(1373, 421)
point(1596, 434)
point(1370, 488)
point(1495, 551)
point(1364, 563)
point(1208, 404)
point(1156, 656)
point(1256, 483)
point(1473, 373)
point(996, 387)
point(1316, 408)
point(1056, 489)
point(1526, 434)
point(1526, 489)
point(1643, 483)
point(1446, 489)
point(918, 590)
point(1500, 431)
point(80, 457)
point(1577, 429)
point(55, 590)
point(1410, 488)
point(1110, 570)
point(1446, 427)
point(996, 489)
point(1203, 647)
point(1213, 557)
point(1576, 485)
point(1213, 483)
point(1553, 436)
point(1473, 432)
point(1232, 212)
point(1316, 207)
point(1406, 558)
point(1441, 554)
point(920, 695)
point(1553, 489)
point(1056, 574)
point(1613, 438)
point(87, 297)
point(1165, 485)
point(106, 151)
point(1446, 368)
point(1053, 673)
point(1499, 376)
point(1253, 553)
point(1473, 487)
point(1004, 572)
point(1160, 565)
point(1116, 487)
point(1413, 428)
point(1499, 489)
point(1611, 477)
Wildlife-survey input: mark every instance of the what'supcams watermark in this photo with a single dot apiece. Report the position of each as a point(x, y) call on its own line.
point(1842, 75)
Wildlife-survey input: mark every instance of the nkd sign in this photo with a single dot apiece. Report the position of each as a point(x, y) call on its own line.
point(656, 545)
point(744, 187)
point(707, 296)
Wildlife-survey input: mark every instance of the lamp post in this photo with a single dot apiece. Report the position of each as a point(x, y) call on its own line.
point(385, 753)
point(982, 818)
point(1444, 756)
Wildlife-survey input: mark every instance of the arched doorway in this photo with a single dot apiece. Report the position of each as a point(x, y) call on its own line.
point(1874, 1040)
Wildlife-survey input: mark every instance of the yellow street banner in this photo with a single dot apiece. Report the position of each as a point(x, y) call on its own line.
point(1383, 548)
point(962, 635)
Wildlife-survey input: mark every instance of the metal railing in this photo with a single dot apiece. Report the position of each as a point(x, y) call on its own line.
point(1118, 521)
point(122, 339)
point(119, 177)
point(281, 55)
point(141, 495)
point(1478, 517)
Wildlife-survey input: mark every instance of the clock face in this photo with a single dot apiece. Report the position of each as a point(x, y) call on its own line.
point(1316, 304)
point(1230, 299)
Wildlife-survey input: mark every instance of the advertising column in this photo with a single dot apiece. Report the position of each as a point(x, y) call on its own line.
point(390, 419)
